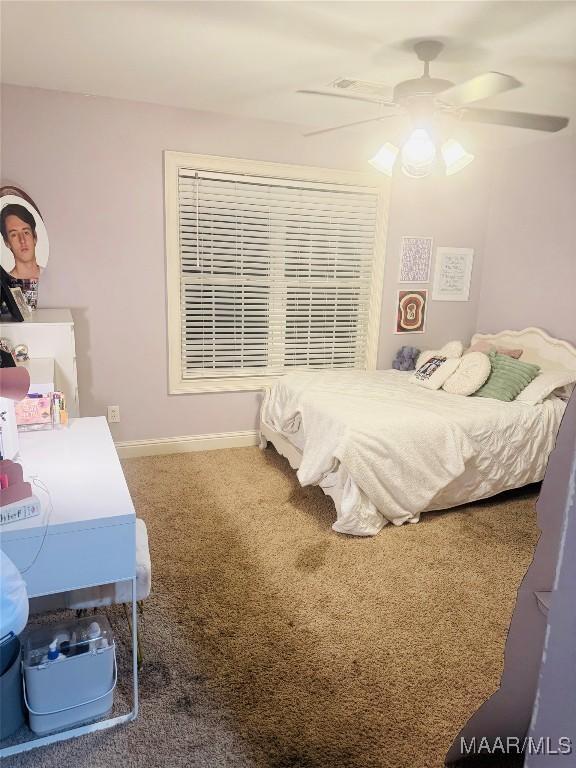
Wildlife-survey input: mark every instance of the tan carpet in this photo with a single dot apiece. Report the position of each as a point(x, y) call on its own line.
point(273, 642)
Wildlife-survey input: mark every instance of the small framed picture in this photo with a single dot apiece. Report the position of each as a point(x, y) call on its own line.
point(452, 274)
point(21, 302)
point(411, 311)
point(415, 260)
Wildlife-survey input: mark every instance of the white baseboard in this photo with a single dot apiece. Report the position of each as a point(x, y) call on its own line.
point(128, 449)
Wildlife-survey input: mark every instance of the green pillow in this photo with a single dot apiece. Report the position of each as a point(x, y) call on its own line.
point(508, 377)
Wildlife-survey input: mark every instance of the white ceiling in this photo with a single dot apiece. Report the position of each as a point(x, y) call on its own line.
point(249, 58)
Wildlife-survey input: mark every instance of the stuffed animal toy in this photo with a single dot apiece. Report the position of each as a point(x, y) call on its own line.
point(405, 359)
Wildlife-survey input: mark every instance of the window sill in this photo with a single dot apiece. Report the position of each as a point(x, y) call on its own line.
point(232, 384)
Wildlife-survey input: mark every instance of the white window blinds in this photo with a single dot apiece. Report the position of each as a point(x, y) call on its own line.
point(274, 274)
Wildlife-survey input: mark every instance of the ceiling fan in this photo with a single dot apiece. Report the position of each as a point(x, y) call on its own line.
point(424, 97)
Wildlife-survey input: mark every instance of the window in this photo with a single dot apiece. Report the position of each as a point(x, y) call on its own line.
point(270, 268)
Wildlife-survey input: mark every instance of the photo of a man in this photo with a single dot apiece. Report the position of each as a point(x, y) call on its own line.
point(24, 243)
point(18, 229)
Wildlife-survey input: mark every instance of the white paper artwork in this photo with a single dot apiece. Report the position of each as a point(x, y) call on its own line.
point(452, 274)
point(415, 258)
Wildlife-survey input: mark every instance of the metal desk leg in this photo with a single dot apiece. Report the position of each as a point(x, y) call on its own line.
point(134, 712)
point(100, 725)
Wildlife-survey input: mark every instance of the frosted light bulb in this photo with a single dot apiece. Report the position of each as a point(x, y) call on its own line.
point(418, 154)
point(455, 156)
point(385, 159)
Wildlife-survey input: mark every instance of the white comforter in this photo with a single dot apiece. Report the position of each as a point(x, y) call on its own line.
point(392, 450)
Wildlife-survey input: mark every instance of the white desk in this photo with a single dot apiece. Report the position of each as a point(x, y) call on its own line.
point(85, 535)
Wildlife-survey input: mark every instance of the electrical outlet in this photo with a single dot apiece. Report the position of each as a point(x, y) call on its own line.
point(113, 414)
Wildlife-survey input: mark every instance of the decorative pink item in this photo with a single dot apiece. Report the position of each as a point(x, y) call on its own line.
point(485, 346)
point(14, 383)
point(13, 486)
point(34, 411)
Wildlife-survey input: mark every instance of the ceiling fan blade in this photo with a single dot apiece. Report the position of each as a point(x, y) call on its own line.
point(370, 99)
point(478, 88)
point(348, 125)
point(534, 122)
point(362, 87)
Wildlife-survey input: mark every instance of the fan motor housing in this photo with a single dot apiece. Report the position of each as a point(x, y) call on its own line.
point(418, 87)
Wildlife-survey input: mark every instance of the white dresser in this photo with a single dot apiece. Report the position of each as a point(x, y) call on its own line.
point(49, 333)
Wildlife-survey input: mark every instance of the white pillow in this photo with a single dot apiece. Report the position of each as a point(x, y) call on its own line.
point(435, 371)
point(451, 349)
point(424, 356)
point(544, 384)
point(474, 369)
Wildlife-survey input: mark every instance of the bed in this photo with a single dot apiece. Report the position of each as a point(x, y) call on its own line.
point(387, 451)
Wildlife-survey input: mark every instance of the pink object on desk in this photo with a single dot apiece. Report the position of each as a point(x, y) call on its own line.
point(14, 383)
point(34, 411)
point(12, 485)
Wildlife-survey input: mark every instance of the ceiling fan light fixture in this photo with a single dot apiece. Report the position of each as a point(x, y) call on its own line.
point(455, 156)
point(385, 159)
point(418, 154)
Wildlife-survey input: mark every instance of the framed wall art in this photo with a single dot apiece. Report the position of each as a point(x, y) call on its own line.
point(20, 300)
point(411, 311)
point(452, 274)
point(415, 259)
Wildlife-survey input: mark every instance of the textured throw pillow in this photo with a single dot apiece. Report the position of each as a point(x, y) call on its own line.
point(508, 378)
point(486, 347)
point(435, 371)
point(472, 372)
point(544, 385)
point(424, 356)
point(450, 349)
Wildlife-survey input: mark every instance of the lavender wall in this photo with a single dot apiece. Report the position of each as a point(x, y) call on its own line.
point(529, 270)
point(453, 211)
point(95, 168)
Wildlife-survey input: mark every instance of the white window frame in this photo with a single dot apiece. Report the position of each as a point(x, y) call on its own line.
point(173, 161)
